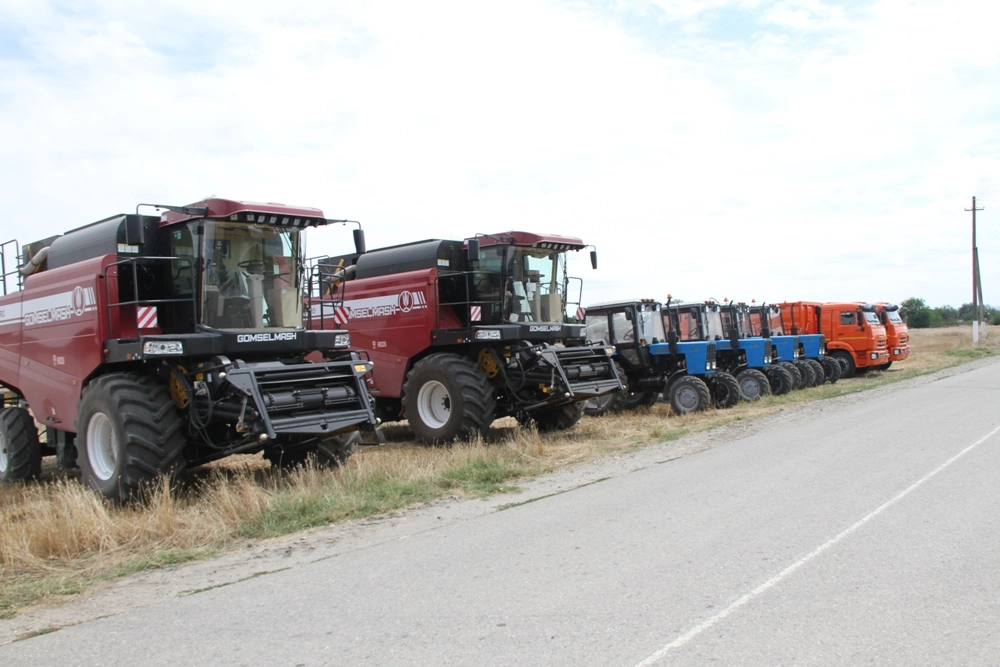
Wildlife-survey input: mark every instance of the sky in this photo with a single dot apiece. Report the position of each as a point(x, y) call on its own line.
point(744, 149)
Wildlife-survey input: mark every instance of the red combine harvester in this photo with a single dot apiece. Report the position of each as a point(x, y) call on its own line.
point(463, 332)
point(147, 343)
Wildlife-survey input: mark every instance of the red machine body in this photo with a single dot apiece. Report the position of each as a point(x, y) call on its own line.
point(495, 303)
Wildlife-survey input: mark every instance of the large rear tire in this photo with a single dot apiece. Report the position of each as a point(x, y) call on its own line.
point(606, 404)
point(846, 361)
point(558, 418)
point(724, 388)
point(753, 384)
point(20, 452)
point(794, 372)
point(128, 434)
point(831, 368)
point(689, 394)
point(818, 371)
point(808, 373)
point(448, 397)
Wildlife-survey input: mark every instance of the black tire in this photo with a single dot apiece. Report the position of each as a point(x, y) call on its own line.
point(724, 388)
point(447, 397)
point(640, 399)
point(780, 379)
point(831, 367)
point(808, 374)
point(607, 404)
point(885, 366)
point(818, 371)
point(753, 384)
point(331, 452)
point(846, 361)
point(128, 434)
point(558, 418)
point(20, 451)
point(688, 394)
point(794, 373)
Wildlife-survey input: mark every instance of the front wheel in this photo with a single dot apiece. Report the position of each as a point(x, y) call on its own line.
point(448, 397)
point(725, 389)
point(780, 379)
point(753, 384)
point(20, 452)
point(885, 366)
point(846, 361)
point(606, 404)
point(688, 394)
point(128, 434)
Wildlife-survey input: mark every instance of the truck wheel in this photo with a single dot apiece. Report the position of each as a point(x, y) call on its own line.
point(846, 362)
point(689, 394)
point(606, 404)
point(794, 373)
point(808, 374)
point(128, 433)
point(831, 368)
point(558, 418)
point(753, 384)
point(20, 452)
point(724, 388)
point(447, 397)
point(818, 371)
point(885, 366)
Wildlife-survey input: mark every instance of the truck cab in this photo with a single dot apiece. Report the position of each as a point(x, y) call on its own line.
point(896, 333)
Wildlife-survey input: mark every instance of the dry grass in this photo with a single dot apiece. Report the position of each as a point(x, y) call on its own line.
point(57, 537)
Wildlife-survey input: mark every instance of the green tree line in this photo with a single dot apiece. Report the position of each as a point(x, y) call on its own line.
point(917, 314)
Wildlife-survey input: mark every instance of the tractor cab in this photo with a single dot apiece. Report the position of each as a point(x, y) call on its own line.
point(632, 327)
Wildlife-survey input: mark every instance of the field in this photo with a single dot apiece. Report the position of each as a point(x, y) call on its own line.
point(57, 538)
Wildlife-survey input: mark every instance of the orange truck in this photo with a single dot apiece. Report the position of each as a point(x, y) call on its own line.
point(855, 336)
point(897, 337)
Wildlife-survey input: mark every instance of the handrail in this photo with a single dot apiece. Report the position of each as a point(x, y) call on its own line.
point(134, 261)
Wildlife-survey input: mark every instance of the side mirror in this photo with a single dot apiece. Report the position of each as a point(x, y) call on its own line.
point(472, 252)
point(593, 258)
point(359, 241)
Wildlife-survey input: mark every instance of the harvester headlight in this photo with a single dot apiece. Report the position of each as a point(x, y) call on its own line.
point(154, 347)
point(362, 368)
point(609, 351)
point(342, 340)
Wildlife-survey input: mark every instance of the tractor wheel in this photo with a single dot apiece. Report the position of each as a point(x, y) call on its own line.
point(558, 418)
point(128, 434)
point(808, 374)
point(831, 368)
point(640, 399)
point(724, 388)
point(818, 371)
point(753, 384)
point(447, 397)
point(846, 361)
point(20, 452)
point(794, 372)
point(689, 394)
point(780, 379)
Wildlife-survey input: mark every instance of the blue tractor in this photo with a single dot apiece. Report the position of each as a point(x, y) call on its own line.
point(651, 363)
point(801, 350)
point(746, 357)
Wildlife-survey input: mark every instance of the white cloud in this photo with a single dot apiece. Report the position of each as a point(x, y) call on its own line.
point(763, 150)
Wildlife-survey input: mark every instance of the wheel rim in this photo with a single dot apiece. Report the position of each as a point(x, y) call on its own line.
point(687, 397)
point(102, 446)
point(3, 453)
point(750, 388)
point(434, 404)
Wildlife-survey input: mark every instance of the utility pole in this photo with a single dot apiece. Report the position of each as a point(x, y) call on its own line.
point(978, 309)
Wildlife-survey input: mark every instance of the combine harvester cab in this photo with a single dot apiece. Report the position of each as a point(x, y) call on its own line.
point(145, 344)
point(464, 332)
point(803, 355)
point(896, 333)
point(854, 335)
point(648, 360)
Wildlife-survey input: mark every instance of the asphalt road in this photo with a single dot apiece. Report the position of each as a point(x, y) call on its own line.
point(862, 533)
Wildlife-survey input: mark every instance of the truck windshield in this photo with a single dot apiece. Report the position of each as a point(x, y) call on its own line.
point(893, 316)
point(871, 318)
point(250, 276)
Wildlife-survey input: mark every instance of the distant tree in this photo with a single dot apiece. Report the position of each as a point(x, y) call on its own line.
point(915, 312)
point(947, 316)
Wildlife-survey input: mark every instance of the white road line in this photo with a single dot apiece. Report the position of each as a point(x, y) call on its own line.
point(773, 581)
